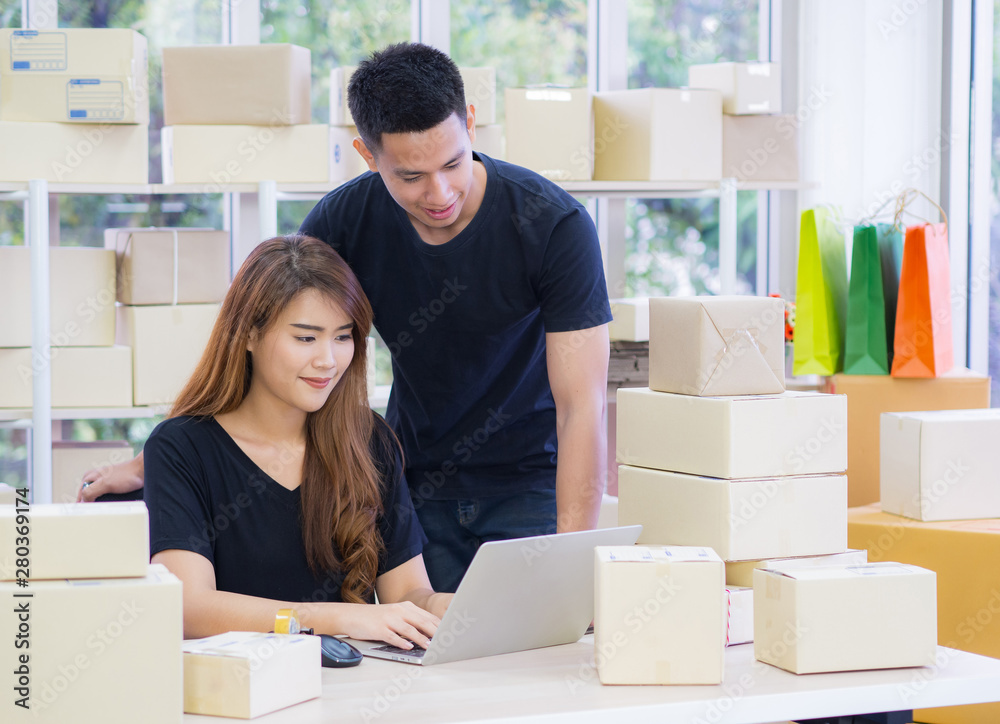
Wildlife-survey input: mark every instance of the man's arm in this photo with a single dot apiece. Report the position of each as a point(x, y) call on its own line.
point(578, 374)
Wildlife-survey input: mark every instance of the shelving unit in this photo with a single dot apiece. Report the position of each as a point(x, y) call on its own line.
point(268, 194)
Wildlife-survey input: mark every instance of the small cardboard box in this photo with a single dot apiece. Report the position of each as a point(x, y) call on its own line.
point(340, 112)
point(8, 495)
point(81, 376)
point(747, 88)
point(244, 674)
point(253, 85)
point(551, 132)
point(167, 342)
point(100, 650)
point(659, 615)
point(941, 465)
point(756, 436)
point(658, 134)
point(845, 618)
point(490, 141)
point(218, 156)
point(85, 75)
point(76, 540)
point(76, 153)
point(147, 273)
point(81, 296)
point(740, 573)
point(712, 346)
point(868, 396)
point(345, 161)
point(795, 515)
point(630, 319)
point(739, 621)
point(71, 459)
point(760, 148)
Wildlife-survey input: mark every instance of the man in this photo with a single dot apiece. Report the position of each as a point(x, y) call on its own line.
point(487, 285)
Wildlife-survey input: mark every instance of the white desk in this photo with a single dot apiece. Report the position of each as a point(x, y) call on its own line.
point(560, 684)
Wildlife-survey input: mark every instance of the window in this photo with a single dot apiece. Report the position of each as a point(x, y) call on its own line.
point(994, 313)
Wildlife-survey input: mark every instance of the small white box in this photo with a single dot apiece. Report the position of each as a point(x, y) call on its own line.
point(756, 436)
point(747, 88)
point(76, 540)
point(740, 573)
point(481, 92)
point(941, 465)
point(845, 618)
point(713, 346)
point(100, 651)
point(244, 674)
point(81, 296)
point(659, 615)
point(658, 134)
point(81, 376)
point(77, 153)
point(739, 622)
point(167, 342)
point(71, 459)
point(551, 132)
point(794, 515)
point(490, 141)
point(218, 156)
point(760, 148)
point(64, 75)
point(345, 161)
point(630, 321)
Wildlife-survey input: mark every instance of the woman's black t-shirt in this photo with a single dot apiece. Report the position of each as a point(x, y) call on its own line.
point(206, 495)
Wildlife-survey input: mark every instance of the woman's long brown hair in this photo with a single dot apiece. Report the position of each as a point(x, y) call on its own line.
point(340, 490)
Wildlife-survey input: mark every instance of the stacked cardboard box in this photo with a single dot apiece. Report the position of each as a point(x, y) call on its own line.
point(240, 114)
point(550, 130)
point(758, 143)
point(125, 623)
point(74, 106)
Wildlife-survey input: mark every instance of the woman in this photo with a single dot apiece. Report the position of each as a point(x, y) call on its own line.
point(273, 485)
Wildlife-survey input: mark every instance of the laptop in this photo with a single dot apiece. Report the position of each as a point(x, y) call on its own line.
point(518, 594)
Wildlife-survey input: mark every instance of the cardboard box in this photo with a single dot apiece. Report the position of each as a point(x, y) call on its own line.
point(711, 346)
point(795, 515)
point(244, 674)
point(551, 132)
point(760, 148)
point(8, 495)
point(658, 134)
point(345, 161)
point(747, 88)
point(75, 153)
point(71, 459)
point(490, 140)
point(740, 573)
point(868, 396)
point(794, 433)
point(845, 618)
point(254, 85)
point(167, 342)
point(100, 651)
point(739, 619)
point(147, 273)
point(941, 465)
point(968, 614)
point(659, 615)
point(78, 540)
point(87, 75)
point(480, 91)
point(631, 319)
point(221, 155)
point(81, 296)
point(81, 376)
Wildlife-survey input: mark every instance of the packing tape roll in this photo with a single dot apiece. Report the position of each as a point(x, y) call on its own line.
point(287, 621)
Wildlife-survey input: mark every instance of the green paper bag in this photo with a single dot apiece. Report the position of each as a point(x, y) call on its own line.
point(820, 296)
point(866, 351)
point(890, 246)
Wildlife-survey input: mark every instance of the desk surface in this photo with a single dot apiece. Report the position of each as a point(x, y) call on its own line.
point(560, 684)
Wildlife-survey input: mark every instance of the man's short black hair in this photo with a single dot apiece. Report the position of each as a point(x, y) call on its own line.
point(404, 88)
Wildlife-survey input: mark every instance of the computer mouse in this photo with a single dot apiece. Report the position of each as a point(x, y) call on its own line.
point(338, 653)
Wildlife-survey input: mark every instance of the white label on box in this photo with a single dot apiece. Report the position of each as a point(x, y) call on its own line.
point(762, 107)
point(690, 553)
point(877, 570)
point(762, 69)
point(627, 554)
point(34, 50)
point(95, 99)
point(548, 95)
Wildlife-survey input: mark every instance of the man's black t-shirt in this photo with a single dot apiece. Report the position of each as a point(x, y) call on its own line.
point(466, 320)
point(206, 495)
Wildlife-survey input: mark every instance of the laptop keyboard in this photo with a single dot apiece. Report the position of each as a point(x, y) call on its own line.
point(416, 651)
